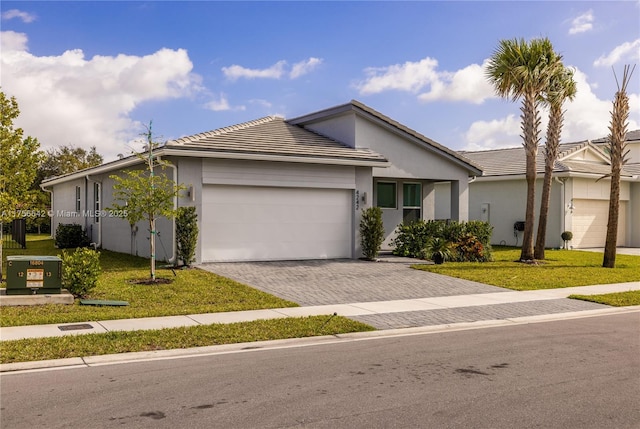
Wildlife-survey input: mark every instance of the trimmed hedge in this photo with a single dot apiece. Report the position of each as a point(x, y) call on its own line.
point(70, 236)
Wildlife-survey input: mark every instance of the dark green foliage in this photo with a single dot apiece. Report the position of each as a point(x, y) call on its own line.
point(80, 271)
point(438, 250)
point(471, 241)
point(412, 238)
point(186, 234)
point(567, 235)
point(70, 236)
point(371, 232)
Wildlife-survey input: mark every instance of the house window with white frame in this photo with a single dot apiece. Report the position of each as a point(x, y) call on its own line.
point(411, 202)
point(78, 199)
point(386, 195)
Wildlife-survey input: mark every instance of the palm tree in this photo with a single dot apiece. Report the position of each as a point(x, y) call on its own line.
point(561, 87)
point(617, 139)
point(520, 69)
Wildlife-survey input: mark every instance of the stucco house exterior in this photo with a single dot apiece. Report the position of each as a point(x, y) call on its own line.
point(276, 189)
point(579, 200)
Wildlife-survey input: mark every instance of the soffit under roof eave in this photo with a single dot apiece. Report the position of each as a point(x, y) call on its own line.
point(277, 158)
point(540, 176)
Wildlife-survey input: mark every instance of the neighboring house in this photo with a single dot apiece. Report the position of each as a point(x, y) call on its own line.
point(579, 199)
point(275, 189)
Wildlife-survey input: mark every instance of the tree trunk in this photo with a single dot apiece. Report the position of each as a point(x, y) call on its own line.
point(611, 243)
point(551, 153)
point(152, 248)
point(530, 124)
point(544, 213)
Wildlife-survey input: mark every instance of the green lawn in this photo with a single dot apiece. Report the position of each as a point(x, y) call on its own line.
point(561, 268)
point(192, 291)
point(174, 338)
point(620, 299)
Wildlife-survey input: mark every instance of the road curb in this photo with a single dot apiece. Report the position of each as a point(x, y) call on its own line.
point(114, 359)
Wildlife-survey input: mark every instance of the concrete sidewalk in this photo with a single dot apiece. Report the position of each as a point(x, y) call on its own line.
point(427, 311)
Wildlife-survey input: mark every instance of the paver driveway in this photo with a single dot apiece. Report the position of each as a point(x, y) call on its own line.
point(342, 281)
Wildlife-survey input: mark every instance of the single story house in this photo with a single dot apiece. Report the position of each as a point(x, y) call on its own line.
point(579, 196)
point(276, 189)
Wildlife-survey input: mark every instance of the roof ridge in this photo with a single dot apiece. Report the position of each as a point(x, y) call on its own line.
point(226, 130)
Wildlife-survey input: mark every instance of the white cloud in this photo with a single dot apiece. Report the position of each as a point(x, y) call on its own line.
point(304, 67)
point(222, 104)
point(410, 76)
point(276, 71)
point(25, 17)
point(586, 117)
point(494, 134)
point(628, 51)
point(582, 23)
point(236, 72)
point(261, 102)
point(467, 84)
point(12, 41)
point(68, 99)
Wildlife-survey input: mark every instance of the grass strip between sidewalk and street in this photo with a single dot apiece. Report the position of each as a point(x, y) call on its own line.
point(35, 349)
point(560, 269)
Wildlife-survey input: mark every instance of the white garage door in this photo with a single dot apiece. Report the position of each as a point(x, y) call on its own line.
point(252, 223)
point(590, 219)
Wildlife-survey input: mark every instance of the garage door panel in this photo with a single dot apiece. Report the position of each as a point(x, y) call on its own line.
point(260, 223)
point(590, 219)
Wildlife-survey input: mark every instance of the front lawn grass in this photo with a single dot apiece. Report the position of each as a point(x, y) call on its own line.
point(561, 268)
point(619, 299)
point(174, 338)
point(192, 291)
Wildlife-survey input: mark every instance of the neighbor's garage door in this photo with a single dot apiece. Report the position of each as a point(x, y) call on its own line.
point(252, 223)
point(590, 219)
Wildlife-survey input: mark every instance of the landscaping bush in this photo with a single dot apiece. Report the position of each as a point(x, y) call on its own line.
point(371, 232)
point(412, 238)
point(80, 271)
point(471, 241)
point(186, 234)
point(70, 236)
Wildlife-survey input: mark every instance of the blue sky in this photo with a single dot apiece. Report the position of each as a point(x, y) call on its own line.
point(92, 73)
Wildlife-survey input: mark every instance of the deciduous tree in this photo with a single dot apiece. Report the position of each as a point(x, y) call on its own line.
point(145, 195)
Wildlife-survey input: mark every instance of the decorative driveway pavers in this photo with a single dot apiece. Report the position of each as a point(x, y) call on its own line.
point(321, 282)
point(446, 316)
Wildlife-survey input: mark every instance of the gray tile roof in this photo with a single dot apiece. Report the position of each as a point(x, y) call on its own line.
point(631, 136)
point(512, 161)
point(272, 135)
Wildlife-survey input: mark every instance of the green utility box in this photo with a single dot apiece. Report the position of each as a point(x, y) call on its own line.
point(31, 275)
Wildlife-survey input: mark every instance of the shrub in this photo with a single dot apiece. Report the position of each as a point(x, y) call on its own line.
point(186, 234)
point(469, 249)
point(80, 271)
point(70, 236)
point(471, 241)
point(371, 232)
point(412, 238)
point(438, 250)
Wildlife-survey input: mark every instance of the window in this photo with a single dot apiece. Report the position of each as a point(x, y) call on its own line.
point(411, 202)
point(96, 198)
point(77, 198)
point(386, 195)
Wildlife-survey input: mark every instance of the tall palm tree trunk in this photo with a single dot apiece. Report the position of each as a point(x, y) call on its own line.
point(618, 129)
point(530, 129)
point(551, 153)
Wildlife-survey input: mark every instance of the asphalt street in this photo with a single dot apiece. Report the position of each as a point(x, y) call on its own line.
point(579, 373)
